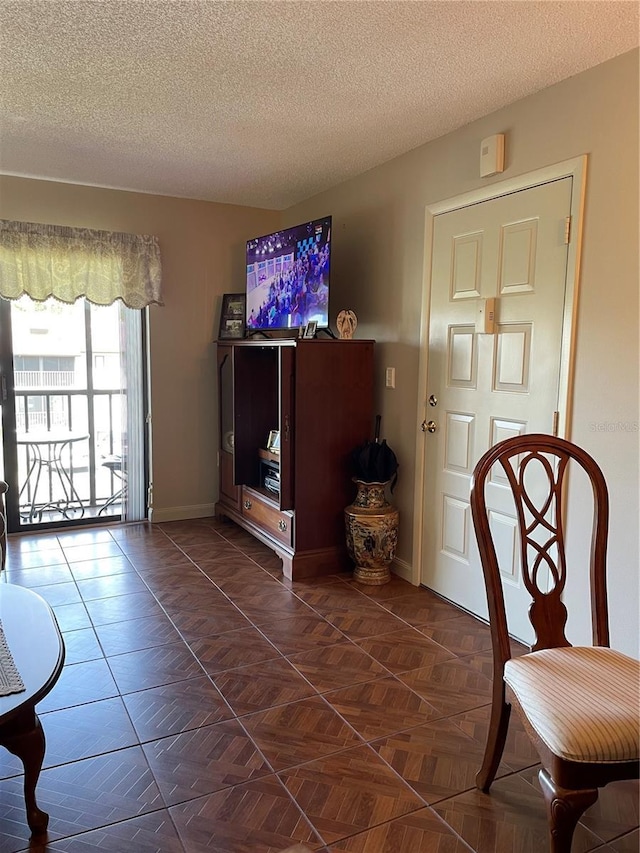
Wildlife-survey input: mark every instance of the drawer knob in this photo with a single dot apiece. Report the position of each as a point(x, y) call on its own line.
point(248, 504)
point(282, 525)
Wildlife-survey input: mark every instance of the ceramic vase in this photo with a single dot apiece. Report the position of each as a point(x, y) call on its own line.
point(371, 525)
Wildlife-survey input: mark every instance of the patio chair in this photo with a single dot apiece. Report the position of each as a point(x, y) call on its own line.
point(579, 705)
point(115, 464)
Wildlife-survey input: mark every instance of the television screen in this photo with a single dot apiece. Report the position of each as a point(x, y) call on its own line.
point(288, 277)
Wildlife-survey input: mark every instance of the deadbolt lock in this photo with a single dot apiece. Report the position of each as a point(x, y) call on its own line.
point(433, 400)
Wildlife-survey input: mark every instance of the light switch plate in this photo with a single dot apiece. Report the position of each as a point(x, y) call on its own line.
point(390, 377)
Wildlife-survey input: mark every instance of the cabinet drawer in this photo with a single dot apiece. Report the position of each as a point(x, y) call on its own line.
point(263, 514)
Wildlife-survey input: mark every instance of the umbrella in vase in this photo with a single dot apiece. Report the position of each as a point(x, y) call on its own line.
point(371, 522)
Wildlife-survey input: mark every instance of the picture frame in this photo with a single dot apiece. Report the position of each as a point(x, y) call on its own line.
point(232, 316)
point(310, 329)
point(273, 442)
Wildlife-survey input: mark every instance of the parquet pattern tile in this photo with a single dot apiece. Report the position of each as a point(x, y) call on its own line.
point(629, 843)
point(395, 588)
point(207, 703)
point(91, 551)
point(463, 635)
point(150, 833)
point(349, 792)
point(404, 650)
point(438, 760)
point(34, 578)
point(204, 760)
point(87, 730)
point(257, 816)
point(298, 732)
point(421, 608)
point(360, 625)
point(121, 607)
point(340, 665)
point(71, 617)
point(132, 635)
point(198, 596)
point(226, 568)
point(81, 796)
point(105, 586)
point(263, 685)
point(451, 687)
point(60, 593)
point(204, 551)
point(274, 605)
point(79, 684)
point(199, 624)
point(107, 567)
point(152, 667)
point(232, 649)
point(377, 708)
point(34, 559)
point(81, 646)
point(325, 598)
point(174, 708)
point(291, 636)
point(419, 831)
point(149, 563)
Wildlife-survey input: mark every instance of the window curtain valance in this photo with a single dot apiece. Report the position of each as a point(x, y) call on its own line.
point(67, 263)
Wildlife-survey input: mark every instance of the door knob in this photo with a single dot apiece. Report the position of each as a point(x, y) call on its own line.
point(430, 426)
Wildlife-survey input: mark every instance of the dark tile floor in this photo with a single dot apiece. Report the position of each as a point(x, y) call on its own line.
point(207, 704)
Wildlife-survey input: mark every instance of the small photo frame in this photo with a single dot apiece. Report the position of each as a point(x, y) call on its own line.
point(273, 442)
point(310, 329)
point(232, 315)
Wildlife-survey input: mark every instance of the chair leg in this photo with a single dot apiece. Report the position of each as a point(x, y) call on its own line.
point(496, 738)
point(564, 810)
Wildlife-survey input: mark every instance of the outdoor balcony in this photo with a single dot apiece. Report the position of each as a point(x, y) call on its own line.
point(64, 437)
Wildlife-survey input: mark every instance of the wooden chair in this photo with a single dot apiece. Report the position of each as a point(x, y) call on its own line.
point(580, 705)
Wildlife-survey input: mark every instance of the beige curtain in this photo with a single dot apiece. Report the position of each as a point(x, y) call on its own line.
point(51, 260)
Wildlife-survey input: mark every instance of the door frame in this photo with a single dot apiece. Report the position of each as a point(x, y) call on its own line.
point(575, 168)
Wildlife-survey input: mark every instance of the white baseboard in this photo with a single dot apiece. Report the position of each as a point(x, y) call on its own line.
point(181, 513)
point(402, 569)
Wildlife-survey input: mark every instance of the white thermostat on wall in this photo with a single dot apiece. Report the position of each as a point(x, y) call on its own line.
point(492, 155)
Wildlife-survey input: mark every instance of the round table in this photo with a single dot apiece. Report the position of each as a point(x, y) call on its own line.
point(37, 648)
point(44, 450)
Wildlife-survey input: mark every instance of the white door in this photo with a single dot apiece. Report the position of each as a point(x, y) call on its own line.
point(483, 388)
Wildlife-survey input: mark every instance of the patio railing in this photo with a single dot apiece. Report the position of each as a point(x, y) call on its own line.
point(96, 414)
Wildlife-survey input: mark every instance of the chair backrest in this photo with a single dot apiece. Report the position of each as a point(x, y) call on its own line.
point(540, 514)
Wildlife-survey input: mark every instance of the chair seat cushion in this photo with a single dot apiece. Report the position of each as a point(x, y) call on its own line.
point(583, 702)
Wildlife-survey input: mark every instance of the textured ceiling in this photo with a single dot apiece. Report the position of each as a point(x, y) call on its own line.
point(267, 103)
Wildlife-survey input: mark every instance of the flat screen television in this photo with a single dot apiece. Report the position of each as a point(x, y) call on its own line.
point(288, 277)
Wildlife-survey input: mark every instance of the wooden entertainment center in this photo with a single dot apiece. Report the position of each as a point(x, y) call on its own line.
point(318, 395)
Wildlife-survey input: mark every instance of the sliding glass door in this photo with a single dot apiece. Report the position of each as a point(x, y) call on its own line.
point(73, 412)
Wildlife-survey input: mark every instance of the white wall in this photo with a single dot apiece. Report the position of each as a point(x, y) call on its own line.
point(378, 260)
